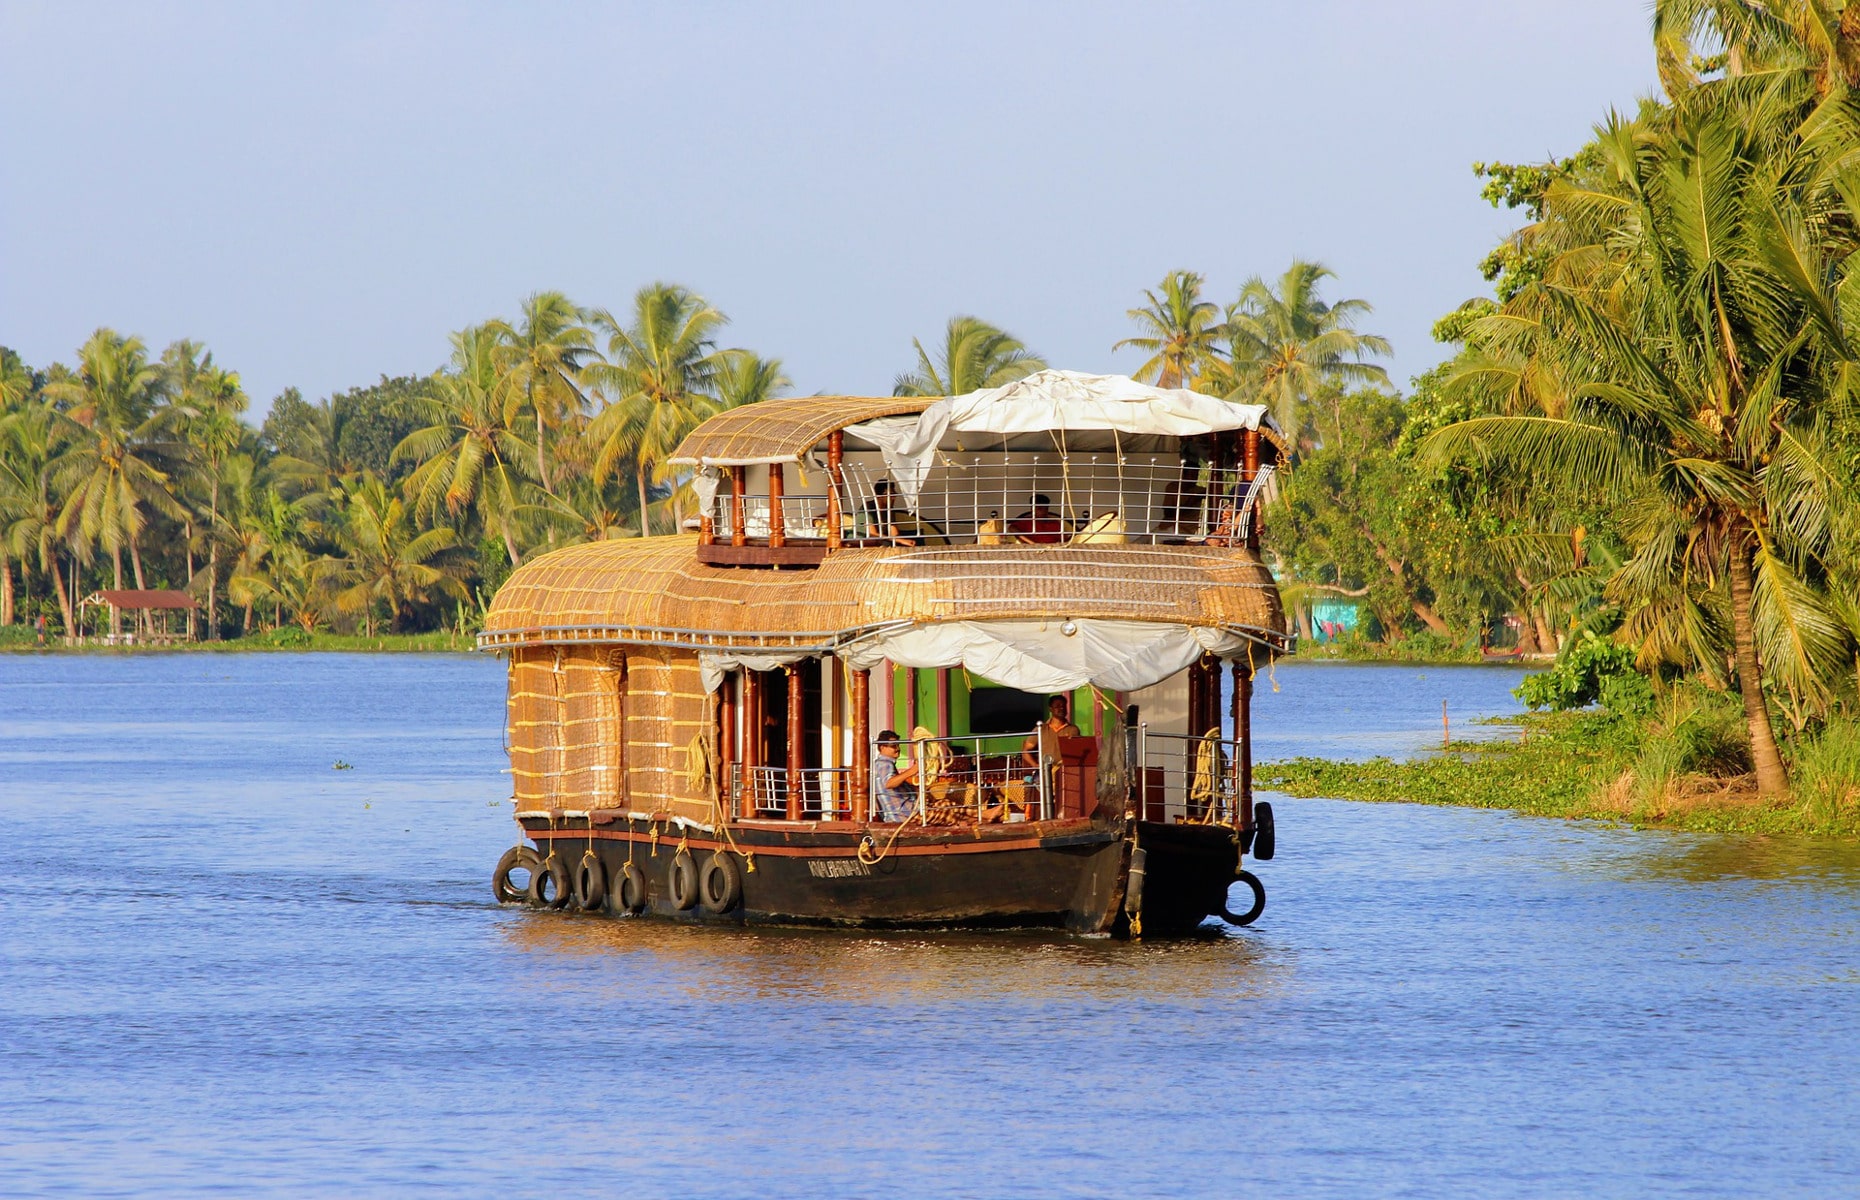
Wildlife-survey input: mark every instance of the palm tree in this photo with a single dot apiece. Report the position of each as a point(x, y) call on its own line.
point(385, 560)
point(659, 382)
point(209, 399)
point(745, 377)
point(539, 364)
point(468, 456)
point(122, 451)
point(1693, 299)
point(30, 507)
point(975, 355)
point(1288, 346)
point(1181, 331)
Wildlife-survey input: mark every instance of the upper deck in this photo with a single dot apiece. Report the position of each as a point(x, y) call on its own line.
point(1056, 459)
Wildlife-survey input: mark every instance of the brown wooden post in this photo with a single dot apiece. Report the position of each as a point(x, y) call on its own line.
point(752, 740)
point(1243, 734)
point(1249, 471)
point(726, 740)
point(836, 449)
point(797, 743)
point(778, 531)
point(737, 483)
point(860, 699)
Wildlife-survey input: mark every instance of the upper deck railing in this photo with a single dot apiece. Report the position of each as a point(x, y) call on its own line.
point(979, 500)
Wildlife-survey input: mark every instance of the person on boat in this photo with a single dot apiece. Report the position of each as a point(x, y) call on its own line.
point(1040, 525)
point(889, 518)
point(1040, 752)
point(894, 788)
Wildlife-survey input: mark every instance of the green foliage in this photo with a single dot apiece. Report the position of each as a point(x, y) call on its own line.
point(1827, 771)
point(1589, 668)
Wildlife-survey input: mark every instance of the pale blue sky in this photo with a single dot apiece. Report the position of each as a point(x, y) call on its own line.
point(321, 192)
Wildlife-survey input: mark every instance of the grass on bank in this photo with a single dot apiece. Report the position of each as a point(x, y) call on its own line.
point(1684, 767)
point(23, 639)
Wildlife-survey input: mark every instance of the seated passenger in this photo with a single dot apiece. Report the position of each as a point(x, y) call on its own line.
point(894, 788)
point(1039, 755)
point(1041, 525)
point(889, 518)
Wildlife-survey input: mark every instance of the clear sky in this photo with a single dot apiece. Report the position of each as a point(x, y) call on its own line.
point(321, 192)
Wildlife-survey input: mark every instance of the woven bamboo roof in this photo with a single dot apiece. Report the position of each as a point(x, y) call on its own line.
point(783, 430)
point(654, 591)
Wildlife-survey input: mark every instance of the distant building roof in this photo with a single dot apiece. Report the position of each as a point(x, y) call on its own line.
point(144, 598)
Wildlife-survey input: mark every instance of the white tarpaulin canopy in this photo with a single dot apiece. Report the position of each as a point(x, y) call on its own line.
point(1051, 401)
point(1042, 656)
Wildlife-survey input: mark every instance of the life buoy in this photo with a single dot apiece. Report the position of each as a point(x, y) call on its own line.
point(590, 883)
point(1265, 840)
point(1259, 902)
point(517, 858)
point(549, 883)
point(684, 881)
point(720, 887)
point(632, 893)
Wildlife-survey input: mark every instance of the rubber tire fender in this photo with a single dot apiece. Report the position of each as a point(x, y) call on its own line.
point(1133, 882)
point(684, 881)
point(632, 892)
point(549, 871)
point(590, 883)
point(516, 858)
point(1265, 839)
point(720, 884)
point(1259, 902)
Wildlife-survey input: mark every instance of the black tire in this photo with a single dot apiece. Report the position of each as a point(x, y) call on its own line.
point(517, 858)
point(590, 883)
point(549, 884)
point(1259, 902)
point(720, 884)
point(684, 881)
point(1265, 840)
point(632, 893)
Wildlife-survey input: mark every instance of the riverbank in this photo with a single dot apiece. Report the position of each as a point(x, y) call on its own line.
point(1600, 766)
point(20, 639)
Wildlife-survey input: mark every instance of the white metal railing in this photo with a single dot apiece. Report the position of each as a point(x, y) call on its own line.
point(1183, 778)
point(991, 500)
point(822, 792)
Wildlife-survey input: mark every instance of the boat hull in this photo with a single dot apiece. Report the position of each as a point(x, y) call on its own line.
point(1058, 874)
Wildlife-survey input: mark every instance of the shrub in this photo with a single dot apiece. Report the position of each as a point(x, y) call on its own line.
point(1580, 673)
point(1827, 768)
point(291, 637)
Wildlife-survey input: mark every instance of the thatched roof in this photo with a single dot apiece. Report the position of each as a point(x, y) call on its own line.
point(653, 590)
point(783, 430)
point(151, 598)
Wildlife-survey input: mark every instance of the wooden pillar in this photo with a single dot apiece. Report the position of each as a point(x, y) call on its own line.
point(778, 526)
point(1243, 734)
point(797, 741)
point(737, 483)
point(861, 773)
point(752, 740)
point(836, 449)
point(1249, 471)
point(726, 740)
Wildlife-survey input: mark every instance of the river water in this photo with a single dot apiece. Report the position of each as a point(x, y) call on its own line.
point(228, 968)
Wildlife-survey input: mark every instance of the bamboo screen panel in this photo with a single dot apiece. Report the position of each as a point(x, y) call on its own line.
point(667, 709)
point(564, 714)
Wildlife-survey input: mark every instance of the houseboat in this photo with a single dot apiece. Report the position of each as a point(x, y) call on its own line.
point(912, 663)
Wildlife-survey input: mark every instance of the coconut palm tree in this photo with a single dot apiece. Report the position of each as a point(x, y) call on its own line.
point(469, 455)
point(539, 361)
point(1693, 299)
point(385, 561)
point(30, 508)
point(1287, 346)
point(122, 450)
point(1181, 331)
point(975, 355)
point(209, 400)
point(745, 377)
point(659, 382)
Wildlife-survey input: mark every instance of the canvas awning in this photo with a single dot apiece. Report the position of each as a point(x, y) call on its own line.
point(1054, 402)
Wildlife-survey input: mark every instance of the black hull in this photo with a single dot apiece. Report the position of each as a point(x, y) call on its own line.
point(1069, 875)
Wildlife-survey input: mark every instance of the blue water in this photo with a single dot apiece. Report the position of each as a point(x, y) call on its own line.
point(227, 968)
